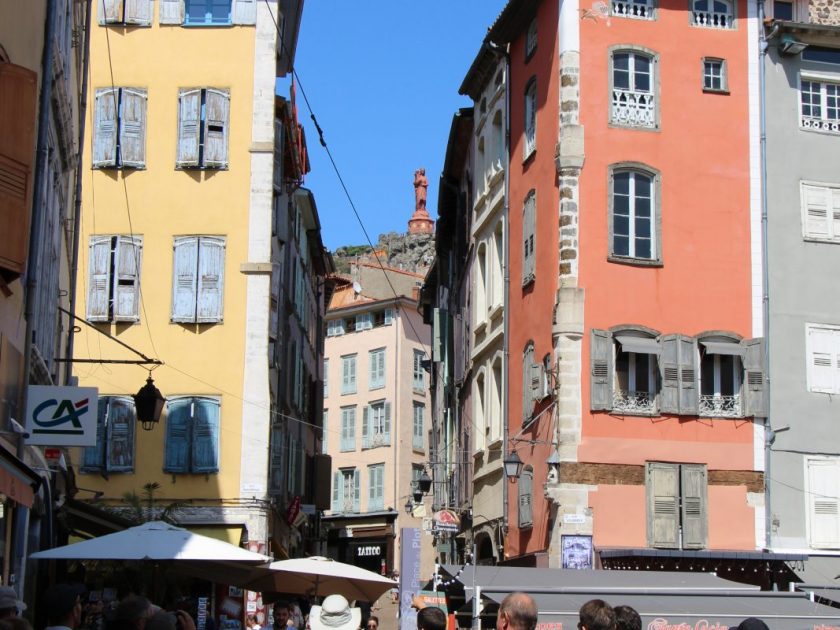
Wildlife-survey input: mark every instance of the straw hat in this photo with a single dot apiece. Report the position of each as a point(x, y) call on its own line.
point(335, 614)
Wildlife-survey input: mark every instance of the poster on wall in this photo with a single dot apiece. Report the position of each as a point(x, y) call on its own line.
point(577, 552)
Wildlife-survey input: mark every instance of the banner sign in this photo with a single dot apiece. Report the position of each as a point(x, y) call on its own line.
point(446, 521)
point(61, 416)
point(409, 574)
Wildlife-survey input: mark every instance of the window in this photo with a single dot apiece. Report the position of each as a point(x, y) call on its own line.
point(326, 377)
point(497, 275)
point(676, 505)
point(527, 385)
point(823, 478)
point(531, 40)
point(713, 13)
point(376, 487)
point(823, 351)
point(363, 322)
point(525, 490)
point(325, 431)
point(820, 101)
point(133, 12)
point(721, 369)
point(634, 216)
point(530, 118)
point(348, 429)
point(638, 9)
point(498, 141)
point(114, 279)
point(529, 238)
point(419, 381)
point(821, 54)
point(383, 318)
point(418, 434)
point(348, 374)
point(346, 491)
point(192, 435)
point(203, 117)
point(114, 450)
point(335, 328)
point(208, 12)
point(481, 283)
point(633, 90)
point(624, 370)
point(278, 460)
point(198, 285)
point(119, 128)
point(376, 425)
point(480, 412)
point(377, 369)
point(714, 75)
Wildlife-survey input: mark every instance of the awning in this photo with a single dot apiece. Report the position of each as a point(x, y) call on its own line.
point(226, 533)
point(88, 521)
point(722, 347)
point(818, 570)
point(823, 595)
point(640, 345)
point(17, 480)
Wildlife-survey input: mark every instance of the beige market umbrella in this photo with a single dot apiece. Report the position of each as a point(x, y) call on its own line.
point(320, 576)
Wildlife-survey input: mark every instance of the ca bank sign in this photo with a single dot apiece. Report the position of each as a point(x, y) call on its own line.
point(61, 416)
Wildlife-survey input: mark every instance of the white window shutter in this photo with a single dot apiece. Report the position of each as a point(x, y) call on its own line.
point(824, 506)
point(601, 370)
point(216, 117)
point(171, 12)
point(389, 316)
point(816, 201)
point(387, 423)
point(189, 121)
point(822, 360)
point(110, 11)
point(139, 12)
point(211, 273)
point(133, 128)
point(244, 11)
point(185, 279)
point(100, 279)
point(105, 128)
point(669, 367)
point(693, 487)
point(127, 279)
point(689, 397)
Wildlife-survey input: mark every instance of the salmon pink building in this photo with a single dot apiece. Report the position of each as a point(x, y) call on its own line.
point(636, 392)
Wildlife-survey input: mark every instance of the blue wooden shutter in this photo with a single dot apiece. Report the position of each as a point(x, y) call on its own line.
point(389, 316)
point(337, 494)
point(189, 127)
point(216, 120)
point(357, 490)
point(139, 12)
point(205, 436)
point(93, 457)
point(211, 273)
point(126, 280)
point(244, 11)
point(99, 279)
point(171, 12)
point(119, 456)
point(386, 433)
point(105, 128)
point(178, 420)
point(185, 279)
point(133, 127)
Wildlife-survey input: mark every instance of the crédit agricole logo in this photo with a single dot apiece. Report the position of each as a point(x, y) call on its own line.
point(61, 416)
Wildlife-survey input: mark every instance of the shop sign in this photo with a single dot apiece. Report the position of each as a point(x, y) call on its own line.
point(434, 598)
point(368, 551)
point(446, 521)
point(61, 416)
point(702, 624)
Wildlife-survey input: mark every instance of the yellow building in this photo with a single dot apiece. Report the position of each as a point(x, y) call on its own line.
point(176, 251)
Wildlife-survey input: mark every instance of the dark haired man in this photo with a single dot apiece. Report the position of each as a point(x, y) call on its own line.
point(596, 614)
point(626, 618)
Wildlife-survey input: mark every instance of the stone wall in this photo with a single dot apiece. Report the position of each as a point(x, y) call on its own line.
point(825, 12)
point(409, 252)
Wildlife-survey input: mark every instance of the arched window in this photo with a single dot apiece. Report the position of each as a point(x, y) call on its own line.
point(530, 118)
point(625, 370)
point(529, 238)
point(480, 413)
point(481, 284)
point(634, 88)
point(528, 398)
point(634, 219)
point(496, 413)
point(713, 13)
point(497, 286)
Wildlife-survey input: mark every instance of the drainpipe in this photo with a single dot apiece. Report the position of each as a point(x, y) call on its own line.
point(77, 210)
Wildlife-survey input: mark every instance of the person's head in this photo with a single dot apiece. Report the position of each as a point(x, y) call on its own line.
point(431, 618)
point(372, 623)
point(132, 613)
point(752, 623)
point(596, 614)
point(518, 611)
point(626, 618)
point(251, 620)
point(335, 613)
point(10, 605)
point(281, 615)
point(63, 603)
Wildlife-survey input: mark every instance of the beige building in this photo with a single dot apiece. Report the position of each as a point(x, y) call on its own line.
point(376, 417)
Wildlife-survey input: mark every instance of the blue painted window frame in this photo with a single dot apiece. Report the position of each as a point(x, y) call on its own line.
point(209, 9)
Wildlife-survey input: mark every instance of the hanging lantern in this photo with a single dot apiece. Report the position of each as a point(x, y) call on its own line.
point(148, 404)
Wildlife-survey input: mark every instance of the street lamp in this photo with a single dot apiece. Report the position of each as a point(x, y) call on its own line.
point(148, 404)
point(409, 507)
point(513, 466)
point(424, 482)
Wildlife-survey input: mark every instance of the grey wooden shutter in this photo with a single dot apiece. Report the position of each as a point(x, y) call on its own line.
point(126, 287)
point(99, 283)
point(216, 117)
point(133, 128)
point(110, 11)
point(601, 370)
point(211, 273)
point(669, 366)
point(755, 387)
point(663, 489)
point(527, 393)
point(244, 11)
point(171, 11)
point(529, 238)
point(185, 279)
point(693, 484)
point(119, 456)
point(93, 457)
point(689, 396)
point(387, 431)
point(357, 490)
point(189, 127)
point(139, 12)
point(526, 480)
point(105, 128)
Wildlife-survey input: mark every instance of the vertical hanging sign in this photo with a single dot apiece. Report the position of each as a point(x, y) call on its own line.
point(409, 574)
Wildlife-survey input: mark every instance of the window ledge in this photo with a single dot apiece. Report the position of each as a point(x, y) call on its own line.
point(495, 310)
point(617, 125)
point(420, 450)
point(530, 155)
point(714, 91)
point(419, 390)
point(529, 279)
point(480, 328)
point(816, 239)
point(635, 262)
point(373, 387)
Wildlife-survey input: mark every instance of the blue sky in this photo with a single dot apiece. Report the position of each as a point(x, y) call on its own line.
point(382, 77)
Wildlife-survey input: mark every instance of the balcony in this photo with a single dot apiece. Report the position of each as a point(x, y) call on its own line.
point(632, 9)
point(633, 109)
point(643, 403)
point(717, 406)
point(376, 440)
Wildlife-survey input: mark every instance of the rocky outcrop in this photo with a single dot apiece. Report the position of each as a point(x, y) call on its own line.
point(409, 252)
